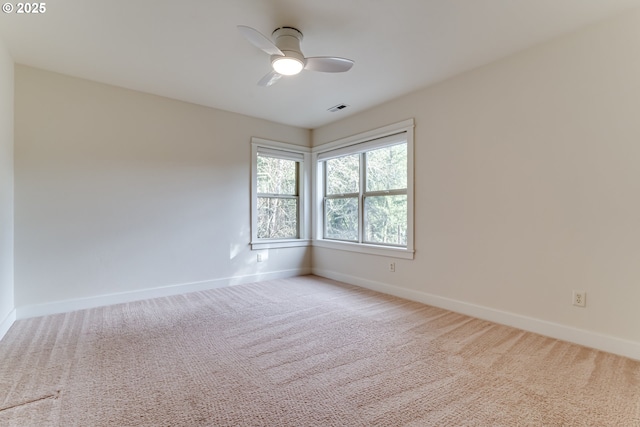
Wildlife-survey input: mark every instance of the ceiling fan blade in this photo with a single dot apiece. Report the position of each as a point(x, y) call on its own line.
point(269, 79)
point(258, 40)
point(328, 64)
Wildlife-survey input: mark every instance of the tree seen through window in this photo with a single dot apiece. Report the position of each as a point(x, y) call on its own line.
point(277, 181)
point(366, 196)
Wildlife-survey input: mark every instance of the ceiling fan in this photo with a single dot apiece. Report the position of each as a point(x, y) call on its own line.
point(287, 58)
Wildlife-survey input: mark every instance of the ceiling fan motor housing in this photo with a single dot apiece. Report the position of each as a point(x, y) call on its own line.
point(287, 39)
point(287, 58)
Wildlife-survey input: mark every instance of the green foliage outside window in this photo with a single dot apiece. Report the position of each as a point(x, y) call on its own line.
point(342, 219)
point(384, 196)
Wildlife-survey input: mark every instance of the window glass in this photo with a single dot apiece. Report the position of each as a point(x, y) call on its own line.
point(277, 176)
point(341, 218)
point(280, 195)
point(343, 175)
point(277, 198)
point(386, 219)
point(277, 218)
point(367, 190)
point(387, 168)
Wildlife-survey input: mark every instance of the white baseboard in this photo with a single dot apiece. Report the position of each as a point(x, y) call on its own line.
point(7, 322)
point(583, 337)
point(66, 306)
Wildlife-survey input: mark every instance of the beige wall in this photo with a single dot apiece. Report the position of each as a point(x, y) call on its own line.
point(119, 191)
point(6, 188)
point(527, 185)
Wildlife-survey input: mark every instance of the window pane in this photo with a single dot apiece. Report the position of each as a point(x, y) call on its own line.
point(343, 175)
point(341, 218)
point(276, 176)
point(277, 218)
point(387, 168)
point(386, 219)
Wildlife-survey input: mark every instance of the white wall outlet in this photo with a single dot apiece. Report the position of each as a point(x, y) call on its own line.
point(392, 267)
point(260, 257)
point(579, 298)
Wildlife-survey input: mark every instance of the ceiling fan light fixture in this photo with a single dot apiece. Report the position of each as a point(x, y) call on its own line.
point(287, 58)
point(287, 66)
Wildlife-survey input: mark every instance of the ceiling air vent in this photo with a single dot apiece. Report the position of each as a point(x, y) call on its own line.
point(338, 107)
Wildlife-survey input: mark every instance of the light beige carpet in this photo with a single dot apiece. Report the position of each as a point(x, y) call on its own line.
point(302, 352)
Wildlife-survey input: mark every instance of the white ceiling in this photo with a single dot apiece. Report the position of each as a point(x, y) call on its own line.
point(191, 50)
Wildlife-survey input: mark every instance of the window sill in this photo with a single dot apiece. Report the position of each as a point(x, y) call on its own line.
point(284, 243)
point(364, 248)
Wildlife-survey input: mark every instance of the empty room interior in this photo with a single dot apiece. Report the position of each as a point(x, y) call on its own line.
point(431, 219)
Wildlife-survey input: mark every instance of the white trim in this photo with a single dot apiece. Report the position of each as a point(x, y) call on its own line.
point(298, 153)
point(385, 135)
point(361, 147)
point(610, 344)
point(366, 136)
point(275, 244)
point(66, 306)
point(8, 321)
point(279, 153)
point(386, 251)
point(285, 146)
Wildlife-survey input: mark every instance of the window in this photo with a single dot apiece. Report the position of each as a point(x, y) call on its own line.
point(278, 194)
point(365, 192)
point(277, 197)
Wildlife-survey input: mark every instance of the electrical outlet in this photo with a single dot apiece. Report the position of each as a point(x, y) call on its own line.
point(260, 257)
point(392, 267)
point(579, 298)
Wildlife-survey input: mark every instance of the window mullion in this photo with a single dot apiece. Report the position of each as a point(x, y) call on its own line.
point(342, 196)
point(363, 168)
point(397, 192)
point(278, 214)
point(324, 199)
point(381, 207)
point(277, 196)
point(279, 220)
point(298, 201)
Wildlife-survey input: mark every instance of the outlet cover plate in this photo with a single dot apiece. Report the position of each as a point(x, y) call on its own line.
point(579, 298)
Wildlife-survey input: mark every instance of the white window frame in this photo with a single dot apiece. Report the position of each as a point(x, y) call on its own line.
point(291, 152)
point(365, 141)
